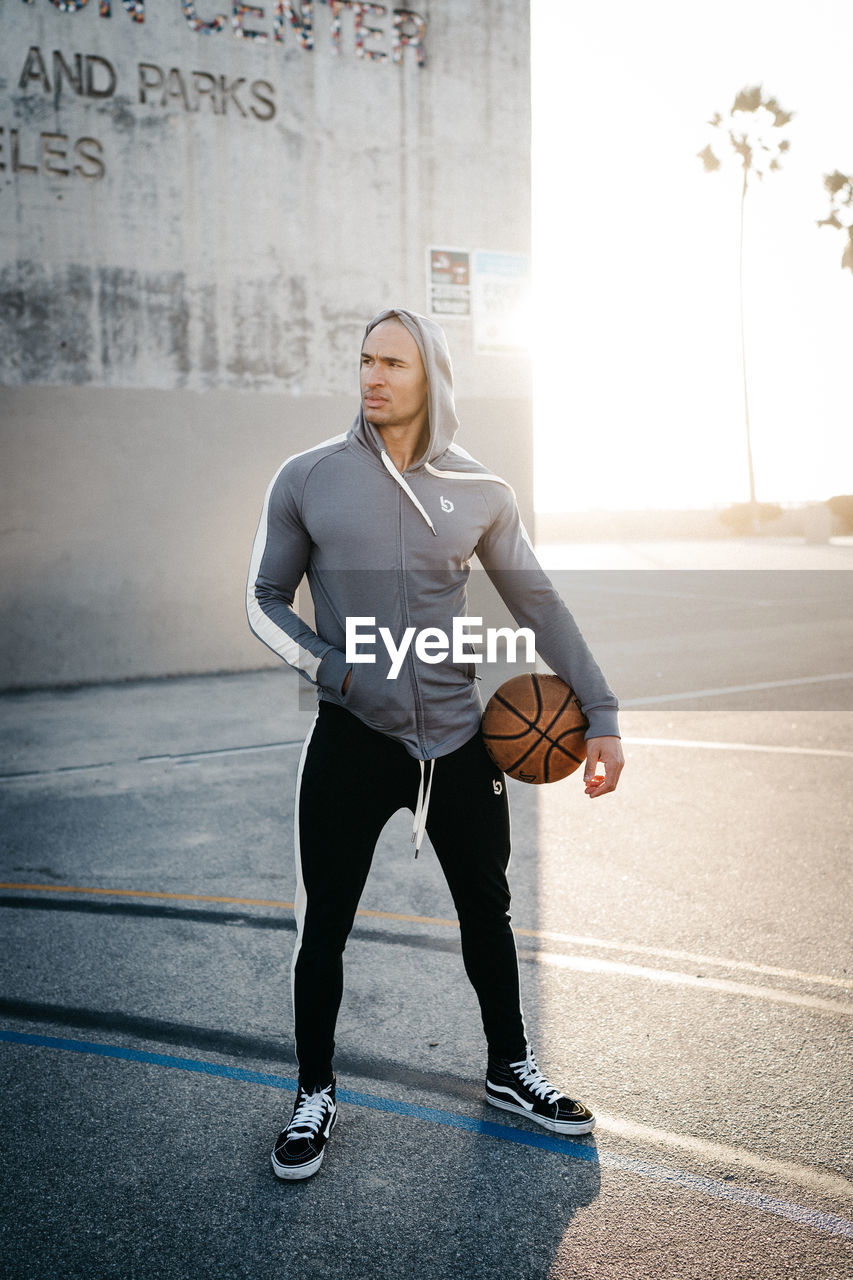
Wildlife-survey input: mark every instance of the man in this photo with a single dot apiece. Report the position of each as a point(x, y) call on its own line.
point(383, 521)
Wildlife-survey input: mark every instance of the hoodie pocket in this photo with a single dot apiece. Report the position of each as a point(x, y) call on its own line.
point(386, 705)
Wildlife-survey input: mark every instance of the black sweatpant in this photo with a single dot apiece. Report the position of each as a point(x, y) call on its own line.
point(352, 779)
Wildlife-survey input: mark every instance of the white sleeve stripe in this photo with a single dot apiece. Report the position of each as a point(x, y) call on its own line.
point(281, 643)
point(264, 628)
point(468, 475)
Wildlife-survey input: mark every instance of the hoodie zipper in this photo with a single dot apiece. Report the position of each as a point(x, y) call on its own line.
point(425, 787)
point(404, 488)
point(404, 597)
point(422, 803)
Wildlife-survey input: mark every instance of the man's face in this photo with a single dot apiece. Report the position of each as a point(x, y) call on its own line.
point(393, 381)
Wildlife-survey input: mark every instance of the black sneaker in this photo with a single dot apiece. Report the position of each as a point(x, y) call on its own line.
point(522, 1088)
point(299, 1148)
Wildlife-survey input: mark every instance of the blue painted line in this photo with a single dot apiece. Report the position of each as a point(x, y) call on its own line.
point(470, 1125)
point(156, 1059)
point(830, 1223)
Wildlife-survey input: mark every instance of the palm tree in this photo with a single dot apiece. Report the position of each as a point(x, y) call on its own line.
point(840, 188)
point(748, 130)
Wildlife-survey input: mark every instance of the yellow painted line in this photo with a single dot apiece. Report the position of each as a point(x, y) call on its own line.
point(393, 915)
point(581, 963)
point(148, 893)
point(207, 897)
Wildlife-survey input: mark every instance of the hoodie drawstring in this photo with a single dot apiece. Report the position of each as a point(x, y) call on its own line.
point(422, 807)
point(392, 470)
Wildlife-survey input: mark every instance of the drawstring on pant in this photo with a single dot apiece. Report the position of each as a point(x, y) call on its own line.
point(422, 807)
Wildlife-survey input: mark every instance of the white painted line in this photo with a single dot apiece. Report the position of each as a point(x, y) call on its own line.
point(735, 746)
point(190, 757)
point(692, 958)
point(547, 935)
point(734, 688)
point(219, 751)
point(590, 964)
point(784, 1170)
point(803, 1215)
point(831, 1223)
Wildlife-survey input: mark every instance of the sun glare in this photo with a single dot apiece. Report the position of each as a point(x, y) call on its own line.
point(636, 306)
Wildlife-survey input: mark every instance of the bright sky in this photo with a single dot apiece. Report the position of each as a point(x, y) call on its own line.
point(639, 398)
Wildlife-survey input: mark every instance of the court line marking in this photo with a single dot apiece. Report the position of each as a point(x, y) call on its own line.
point(582, 964)
point(147, 1031)
point(734, 746)
point(733, 688)
point(221, 751)
point(187, 757)
point(802, 1175)
point(592, 964)
point(62, 769)
point(545, 935)
point(832, 1224)
point(808, 1177)
point(769, 970)
point(217, 752)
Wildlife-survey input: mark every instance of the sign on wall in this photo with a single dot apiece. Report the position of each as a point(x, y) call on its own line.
point(449, 282)
point(491, 288)
point(501, 290)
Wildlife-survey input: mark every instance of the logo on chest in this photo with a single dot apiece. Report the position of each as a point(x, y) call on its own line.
point(446, 504)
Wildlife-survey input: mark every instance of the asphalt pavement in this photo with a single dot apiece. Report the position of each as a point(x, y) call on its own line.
point(684, 951)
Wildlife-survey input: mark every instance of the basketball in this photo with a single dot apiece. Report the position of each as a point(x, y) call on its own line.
point(533, 728)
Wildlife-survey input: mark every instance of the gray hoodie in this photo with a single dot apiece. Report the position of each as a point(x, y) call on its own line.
point(397, 548)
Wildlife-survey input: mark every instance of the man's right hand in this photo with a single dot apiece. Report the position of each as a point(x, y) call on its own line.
point(607, 752)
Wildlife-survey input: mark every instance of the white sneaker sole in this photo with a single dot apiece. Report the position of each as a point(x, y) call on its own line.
point(295, 1173)
point(575, 1128)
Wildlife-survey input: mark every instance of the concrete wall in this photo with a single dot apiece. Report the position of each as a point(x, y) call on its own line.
point(197, 223)
point(124, 555)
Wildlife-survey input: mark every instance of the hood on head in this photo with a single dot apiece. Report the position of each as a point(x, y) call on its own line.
point(435, 353)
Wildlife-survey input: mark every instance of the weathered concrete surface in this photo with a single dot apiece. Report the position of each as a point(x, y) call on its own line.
point(196, 209)
point(129, 516)
point(237, 205)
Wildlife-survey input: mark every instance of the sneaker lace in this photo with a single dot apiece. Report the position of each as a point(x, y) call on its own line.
point(532, 1078)
point(308, 1114)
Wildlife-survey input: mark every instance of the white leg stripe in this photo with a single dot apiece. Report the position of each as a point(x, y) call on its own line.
point(301, 900)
